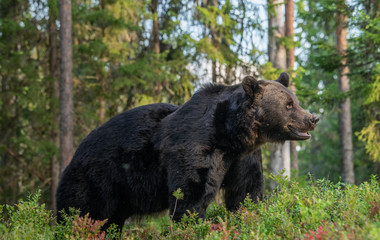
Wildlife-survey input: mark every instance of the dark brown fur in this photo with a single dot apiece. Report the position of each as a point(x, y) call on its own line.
point(210, 140)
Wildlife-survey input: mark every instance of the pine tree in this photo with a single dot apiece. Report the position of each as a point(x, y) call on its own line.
point(66, 105)
point(345, 129)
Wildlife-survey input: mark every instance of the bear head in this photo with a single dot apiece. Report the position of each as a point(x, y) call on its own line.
point(277, 111)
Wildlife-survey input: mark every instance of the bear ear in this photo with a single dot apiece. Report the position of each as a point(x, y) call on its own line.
point(283, 79)
point(250, 86)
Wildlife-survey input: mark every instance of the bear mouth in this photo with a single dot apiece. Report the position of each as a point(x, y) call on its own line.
point(298, 134)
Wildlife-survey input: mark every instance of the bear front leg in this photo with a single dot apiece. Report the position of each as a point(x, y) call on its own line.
point(199, 184)
point(245, 177)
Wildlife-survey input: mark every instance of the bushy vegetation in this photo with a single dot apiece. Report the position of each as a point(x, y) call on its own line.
point(313, 209)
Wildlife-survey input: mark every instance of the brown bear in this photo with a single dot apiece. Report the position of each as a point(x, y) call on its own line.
point(133, 163)
point(211, 140)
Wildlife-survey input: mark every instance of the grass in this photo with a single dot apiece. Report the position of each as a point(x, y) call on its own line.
point(317, 209)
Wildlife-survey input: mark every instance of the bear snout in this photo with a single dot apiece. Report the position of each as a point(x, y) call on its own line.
point(314, 119)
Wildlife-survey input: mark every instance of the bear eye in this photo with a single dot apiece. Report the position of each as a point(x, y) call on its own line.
point(289, 105)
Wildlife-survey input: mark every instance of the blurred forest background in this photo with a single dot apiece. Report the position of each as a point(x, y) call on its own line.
point(127, 53)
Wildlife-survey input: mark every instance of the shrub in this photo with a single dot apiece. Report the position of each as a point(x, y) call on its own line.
point(27, 220)
point(317, 210)
point(31, 220)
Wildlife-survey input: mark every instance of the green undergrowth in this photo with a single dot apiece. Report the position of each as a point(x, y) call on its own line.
point(318, 209)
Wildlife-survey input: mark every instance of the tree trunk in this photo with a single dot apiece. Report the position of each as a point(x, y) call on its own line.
point(156, 28)
point(290, 59)
point(65, 86)
point(345, 130)
point(289, 32)
point(213, 68)
point(54, 73)
point(101, 78)
point(102, 102)
point(102, 108)
point(214, 41)
point(156, 43)
point(276, 51)
point(280, 153)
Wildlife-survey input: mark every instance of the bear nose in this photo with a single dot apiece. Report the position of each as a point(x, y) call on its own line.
point(314, 119)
